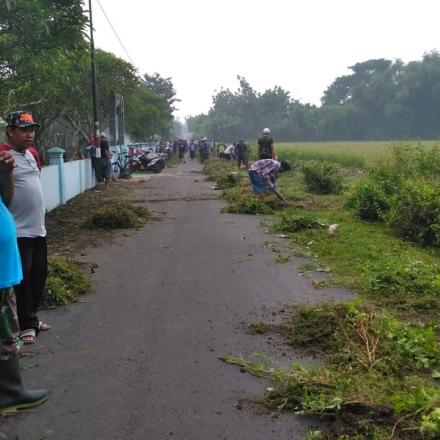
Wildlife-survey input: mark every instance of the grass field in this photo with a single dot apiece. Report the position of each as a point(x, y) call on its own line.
point(347, 154)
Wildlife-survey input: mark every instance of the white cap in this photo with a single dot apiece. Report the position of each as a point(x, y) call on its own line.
point(266, 131)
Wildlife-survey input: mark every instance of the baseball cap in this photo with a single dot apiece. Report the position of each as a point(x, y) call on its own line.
point(20, 120)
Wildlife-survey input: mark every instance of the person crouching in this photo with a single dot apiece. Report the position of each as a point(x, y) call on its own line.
point(263, 175)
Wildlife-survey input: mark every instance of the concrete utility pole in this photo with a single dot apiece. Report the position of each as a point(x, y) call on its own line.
point(94, 87)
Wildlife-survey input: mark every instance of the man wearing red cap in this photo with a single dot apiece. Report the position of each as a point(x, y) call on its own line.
point(13, 395)
point(27, 208)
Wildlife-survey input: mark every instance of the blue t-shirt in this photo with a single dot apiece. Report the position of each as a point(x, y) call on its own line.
point(10, 264)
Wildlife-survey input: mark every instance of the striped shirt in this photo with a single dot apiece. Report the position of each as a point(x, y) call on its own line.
point(267, 169)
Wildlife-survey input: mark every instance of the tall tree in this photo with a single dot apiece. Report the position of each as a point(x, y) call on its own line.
point(163, 87)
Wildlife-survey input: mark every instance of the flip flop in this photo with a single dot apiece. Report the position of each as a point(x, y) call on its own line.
point(28, 336)
point(43, 326)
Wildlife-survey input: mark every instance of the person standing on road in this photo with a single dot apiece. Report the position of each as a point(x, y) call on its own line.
point(204, 150)
point(27, 208)
point(263, 175)
point(266, 149)
point(182, 148)
point(13, 395)
point(106, 158)
point(242, 154)
point(192, 150)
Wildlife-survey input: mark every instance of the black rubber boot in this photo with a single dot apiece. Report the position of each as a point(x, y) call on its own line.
point(13, 396)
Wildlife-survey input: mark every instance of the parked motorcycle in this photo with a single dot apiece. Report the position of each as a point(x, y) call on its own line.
point(148, 162)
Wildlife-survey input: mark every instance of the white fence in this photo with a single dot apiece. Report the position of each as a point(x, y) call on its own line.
point(64, 181)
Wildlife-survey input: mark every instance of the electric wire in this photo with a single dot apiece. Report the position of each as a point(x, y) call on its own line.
point(114, 31)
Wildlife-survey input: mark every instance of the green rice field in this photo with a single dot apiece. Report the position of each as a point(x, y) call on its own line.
point(347, 154)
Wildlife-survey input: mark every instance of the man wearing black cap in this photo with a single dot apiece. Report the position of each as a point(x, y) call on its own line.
point(27, 208)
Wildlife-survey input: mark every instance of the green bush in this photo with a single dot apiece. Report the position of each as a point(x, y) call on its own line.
point(369, 201)
point(248, 205)
point(387, 178)
point(118, 216)
point(415, 214)
point(323, 177)
point(65, 281)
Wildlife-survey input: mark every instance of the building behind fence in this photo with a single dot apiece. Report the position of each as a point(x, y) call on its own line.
point(61, 181)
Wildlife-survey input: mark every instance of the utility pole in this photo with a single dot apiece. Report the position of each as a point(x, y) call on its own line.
point(94, 87)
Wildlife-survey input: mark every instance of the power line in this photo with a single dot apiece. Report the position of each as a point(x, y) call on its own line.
point(114, 31)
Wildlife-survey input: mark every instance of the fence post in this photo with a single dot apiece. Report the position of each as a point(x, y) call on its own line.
point(56, 157)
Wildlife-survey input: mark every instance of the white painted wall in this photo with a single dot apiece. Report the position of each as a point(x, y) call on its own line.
point(78, 177)
point(51, 187)
point(72, 179)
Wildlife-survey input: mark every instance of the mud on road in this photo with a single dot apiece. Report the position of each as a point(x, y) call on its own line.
point(138, 359)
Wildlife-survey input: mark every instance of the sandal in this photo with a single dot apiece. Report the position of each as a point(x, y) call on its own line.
point(28, 336)
point(43, 326)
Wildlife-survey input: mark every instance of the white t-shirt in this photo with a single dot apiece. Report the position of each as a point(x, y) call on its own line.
point(27, 205)
point(230, 150)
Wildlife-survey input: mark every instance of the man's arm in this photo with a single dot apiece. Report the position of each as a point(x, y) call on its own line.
point(6, 179)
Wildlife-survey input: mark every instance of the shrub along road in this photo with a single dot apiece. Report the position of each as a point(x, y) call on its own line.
point(138, 359)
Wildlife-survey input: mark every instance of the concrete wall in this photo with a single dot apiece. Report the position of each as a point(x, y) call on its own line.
point(51, 188)
point(64, 181)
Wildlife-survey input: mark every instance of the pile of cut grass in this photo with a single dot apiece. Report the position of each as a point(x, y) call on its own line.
point(119, 215)
point(65, 282)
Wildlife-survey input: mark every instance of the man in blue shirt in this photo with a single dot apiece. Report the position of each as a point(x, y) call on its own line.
point(13, 396)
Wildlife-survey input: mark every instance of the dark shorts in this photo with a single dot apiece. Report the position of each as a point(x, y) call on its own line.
point(106, 167)
point(259, 186)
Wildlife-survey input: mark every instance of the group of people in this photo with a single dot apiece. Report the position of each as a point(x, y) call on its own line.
point(23, 258)
point(263, 173)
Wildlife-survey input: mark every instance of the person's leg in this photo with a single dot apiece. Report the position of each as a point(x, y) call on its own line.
point(23, 291)
point(9, 327)
point(13, 395)
point(38, 275)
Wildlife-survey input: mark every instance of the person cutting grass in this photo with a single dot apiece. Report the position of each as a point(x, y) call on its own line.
point(263, 175)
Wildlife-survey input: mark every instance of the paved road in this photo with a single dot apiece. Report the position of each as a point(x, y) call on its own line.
point(138, 359)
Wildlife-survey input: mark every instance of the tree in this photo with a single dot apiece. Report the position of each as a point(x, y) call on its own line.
point(162, 87)
point(146, 114)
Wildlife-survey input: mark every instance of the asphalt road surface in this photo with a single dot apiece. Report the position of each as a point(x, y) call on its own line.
point(138, 359)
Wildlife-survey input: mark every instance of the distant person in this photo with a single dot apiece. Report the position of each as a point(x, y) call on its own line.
point(13, 395)
point(266, 149)
point(221, 150)
point(27, 208)
point(204, 150)
point(106, 158)
point(242, 154)
point(263, 175)
point(192, 150)
point(182, 149)
point(230, 152)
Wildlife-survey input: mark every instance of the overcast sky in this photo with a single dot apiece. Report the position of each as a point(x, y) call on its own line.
point(300, 45)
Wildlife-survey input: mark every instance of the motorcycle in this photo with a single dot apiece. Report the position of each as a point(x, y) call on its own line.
point(148, 162)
